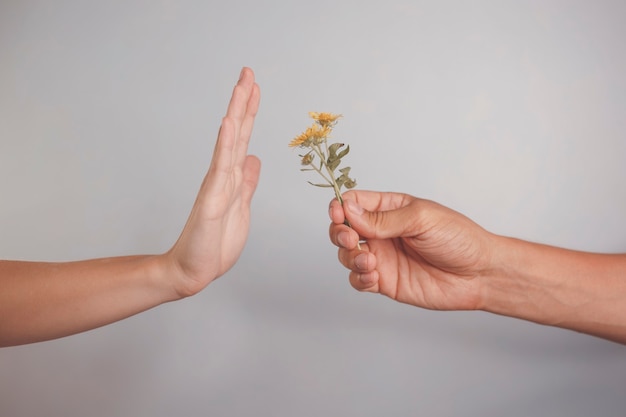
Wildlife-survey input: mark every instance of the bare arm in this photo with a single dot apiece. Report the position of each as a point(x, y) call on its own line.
point(42, 301)
point(421, 253)
point(581, 291)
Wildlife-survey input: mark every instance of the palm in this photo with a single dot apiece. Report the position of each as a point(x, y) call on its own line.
point(217, 228)
point(224, 214)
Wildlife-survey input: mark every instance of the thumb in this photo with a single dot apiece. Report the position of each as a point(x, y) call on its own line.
point(251, 171)
point(380, 224)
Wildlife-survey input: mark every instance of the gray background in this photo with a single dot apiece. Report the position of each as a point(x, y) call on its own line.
point(510, 112)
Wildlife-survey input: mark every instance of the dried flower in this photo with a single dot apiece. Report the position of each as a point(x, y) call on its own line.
point(314, 134)
point(307, 159)
point(325, 119)
point(315, 138)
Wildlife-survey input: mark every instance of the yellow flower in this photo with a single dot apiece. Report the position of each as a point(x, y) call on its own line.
point(314, 133)
point(324, 119)
point(299, 140)
point(307, 159)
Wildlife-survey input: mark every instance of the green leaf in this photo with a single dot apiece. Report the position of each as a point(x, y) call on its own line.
point(332, 152)
point(334, 164)
point(332, 149)
point(350, 183)
point(344, 152)
point(321, 185)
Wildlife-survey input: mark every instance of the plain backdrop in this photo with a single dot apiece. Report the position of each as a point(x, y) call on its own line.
point(511, 112)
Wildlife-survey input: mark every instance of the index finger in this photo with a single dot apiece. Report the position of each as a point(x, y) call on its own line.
point(238, 106)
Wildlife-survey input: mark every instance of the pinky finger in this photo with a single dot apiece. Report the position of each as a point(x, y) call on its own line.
point(366, 282)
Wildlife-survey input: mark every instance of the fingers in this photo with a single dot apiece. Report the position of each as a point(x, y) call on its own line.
point(362, 265)
point(335, 212)
point(360, 261)
point(365, 282)
point(242, 110)
point(340, 234)
point(234, 135)
point(371, 215)
point(222, 161)
point(238, 106)
point(247, 124)
point(343, 236)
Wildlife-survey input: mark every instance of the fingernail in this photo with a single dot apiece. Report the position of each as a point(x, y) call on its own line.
point(353, 207)
point(365, 279)
point(342, 239)
point(360, 261)
point(243, 70)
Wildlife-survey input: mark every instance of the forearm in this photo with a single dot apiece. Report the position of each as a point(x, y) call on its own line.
point(580, 291)
point(42, 301)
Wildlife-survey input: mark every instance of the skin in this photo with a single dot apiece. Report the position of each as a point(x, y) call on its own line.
point(424, 254)
point(41, 300)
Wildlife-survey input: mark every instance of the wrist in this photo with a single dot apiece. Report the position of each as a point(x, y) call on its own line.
point(521, 282)
point(168, 277)
point(182, 280)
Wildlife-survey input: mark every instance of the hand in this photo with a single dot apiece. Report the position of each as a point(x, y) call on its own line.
point(217, 228)
point(416, 251)
point(42, 300)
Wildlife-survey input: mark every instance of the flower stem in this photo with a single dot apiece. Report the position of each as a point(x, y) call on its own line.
point(332, 182)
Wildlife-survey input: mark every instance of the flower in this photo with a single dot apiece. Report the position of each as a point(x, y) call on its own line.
point(299, 140)
point(307, 159)
point(313, 134)
point(324, 119)
point(315, 137)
